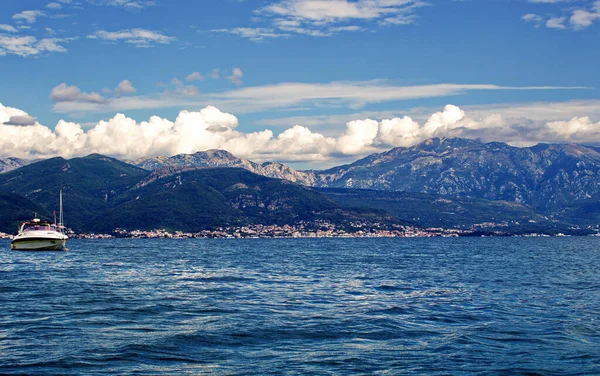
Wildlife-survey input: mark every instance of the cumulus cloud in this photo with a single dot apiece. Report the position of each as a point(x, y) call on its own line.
point(27, 46)
point(578, 18)
point(66, 93)
point(136, 37)
point(131, 4)
point(556, 23)
point(582, 18)
point(194, 76)
point(8, 28)
point(182, 90)
point(531, 17)
point(236, 76)
point(324, 18)
point(54, 6)
point(210, 128)
point(29, 16)
point(187, 91)
point(123, 88)
point(255, 34)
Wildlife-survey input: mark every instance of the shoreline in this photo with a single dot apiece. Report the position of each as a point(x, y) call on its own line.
point(93, 236)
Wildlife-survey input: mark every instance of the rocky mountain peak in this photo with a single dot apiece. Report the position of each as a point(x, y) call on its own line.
point(9, 164)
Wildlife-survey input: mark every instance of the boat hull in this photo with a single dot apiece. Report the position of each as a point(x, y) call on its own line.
point(38, 244)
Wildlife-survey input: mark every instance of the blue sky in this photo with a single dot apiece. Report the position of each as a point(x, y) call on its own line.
point(517, 71)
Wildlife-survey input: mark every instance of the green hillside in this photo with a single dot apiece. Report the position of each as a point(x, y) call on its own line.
point(15, 209)
point(89, 184)
point(208, 198)
point(101, 194)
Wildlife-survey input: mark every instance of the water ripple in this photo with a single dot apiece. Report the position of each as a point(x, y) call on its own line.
point(328, 306)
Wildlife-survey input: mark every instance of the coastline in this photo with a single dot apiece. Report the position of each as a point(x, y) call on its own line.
point(290, 232)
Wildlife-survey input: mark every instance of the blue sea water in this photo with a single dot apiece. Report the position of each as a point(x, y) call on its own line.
point(298, 306)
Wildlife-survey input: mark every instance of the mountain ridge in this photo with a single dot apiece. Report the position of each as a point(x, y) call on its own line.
point(543, 176)
point(223, 158)
point(102, 193)
point(12, 163)
point(551, 183)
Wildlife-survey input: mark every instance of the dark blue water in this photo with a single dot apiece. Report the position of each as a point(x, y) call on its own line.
point(367, 306)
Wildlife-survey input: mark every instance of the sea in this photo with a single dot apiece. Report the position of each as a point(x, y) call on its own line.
point(437, 306)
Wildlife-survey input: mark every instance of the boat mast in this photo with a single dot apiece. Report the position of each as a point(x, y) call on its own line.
point(60, 215)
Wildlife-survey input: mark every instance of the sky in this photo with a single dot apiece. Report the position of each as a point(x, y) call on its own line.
point(311, 83)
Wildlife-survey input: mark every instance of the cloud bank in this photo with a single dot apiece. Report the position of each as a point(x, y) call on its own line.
point(123, 137)
point(353, 94)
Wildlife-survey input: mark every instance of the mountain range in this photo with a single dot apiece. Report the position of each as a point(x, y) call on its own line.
point(103, 193)
point(222, 158)
point(543, 177)
point(445, 182)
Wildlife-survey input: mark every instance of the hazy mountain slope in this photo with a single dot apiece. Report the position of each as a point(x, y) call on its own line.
point(543, 176)
point(436, 211)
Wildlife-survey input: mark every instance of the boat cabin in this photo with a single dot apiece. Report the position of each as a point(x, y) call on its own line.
point(36, 225)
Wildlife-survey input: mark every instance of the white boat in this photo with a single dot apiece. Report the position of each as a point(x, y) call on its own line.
point(37, 235)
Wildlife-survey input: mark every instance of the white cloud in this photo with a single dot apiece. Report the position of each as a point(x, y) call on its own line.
point(194, 76)
point(124, 87)
point(66, 93)
point(549, 1)
point(335, 11)
point(181, 90)
point(256, 34)
point(582, 18)
point(531, 17)
point(211, 128)
point(556, 23)
point(286, 95)
point(30, 46)
point(29, 16)
point(537, 112)
point(187, 91)
point(136, 37)
point(341, 94)
point(214, 74)
point(236, 76)
point(8, 28)
point(131, 4)
point(54, 6)
point(321, 18)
